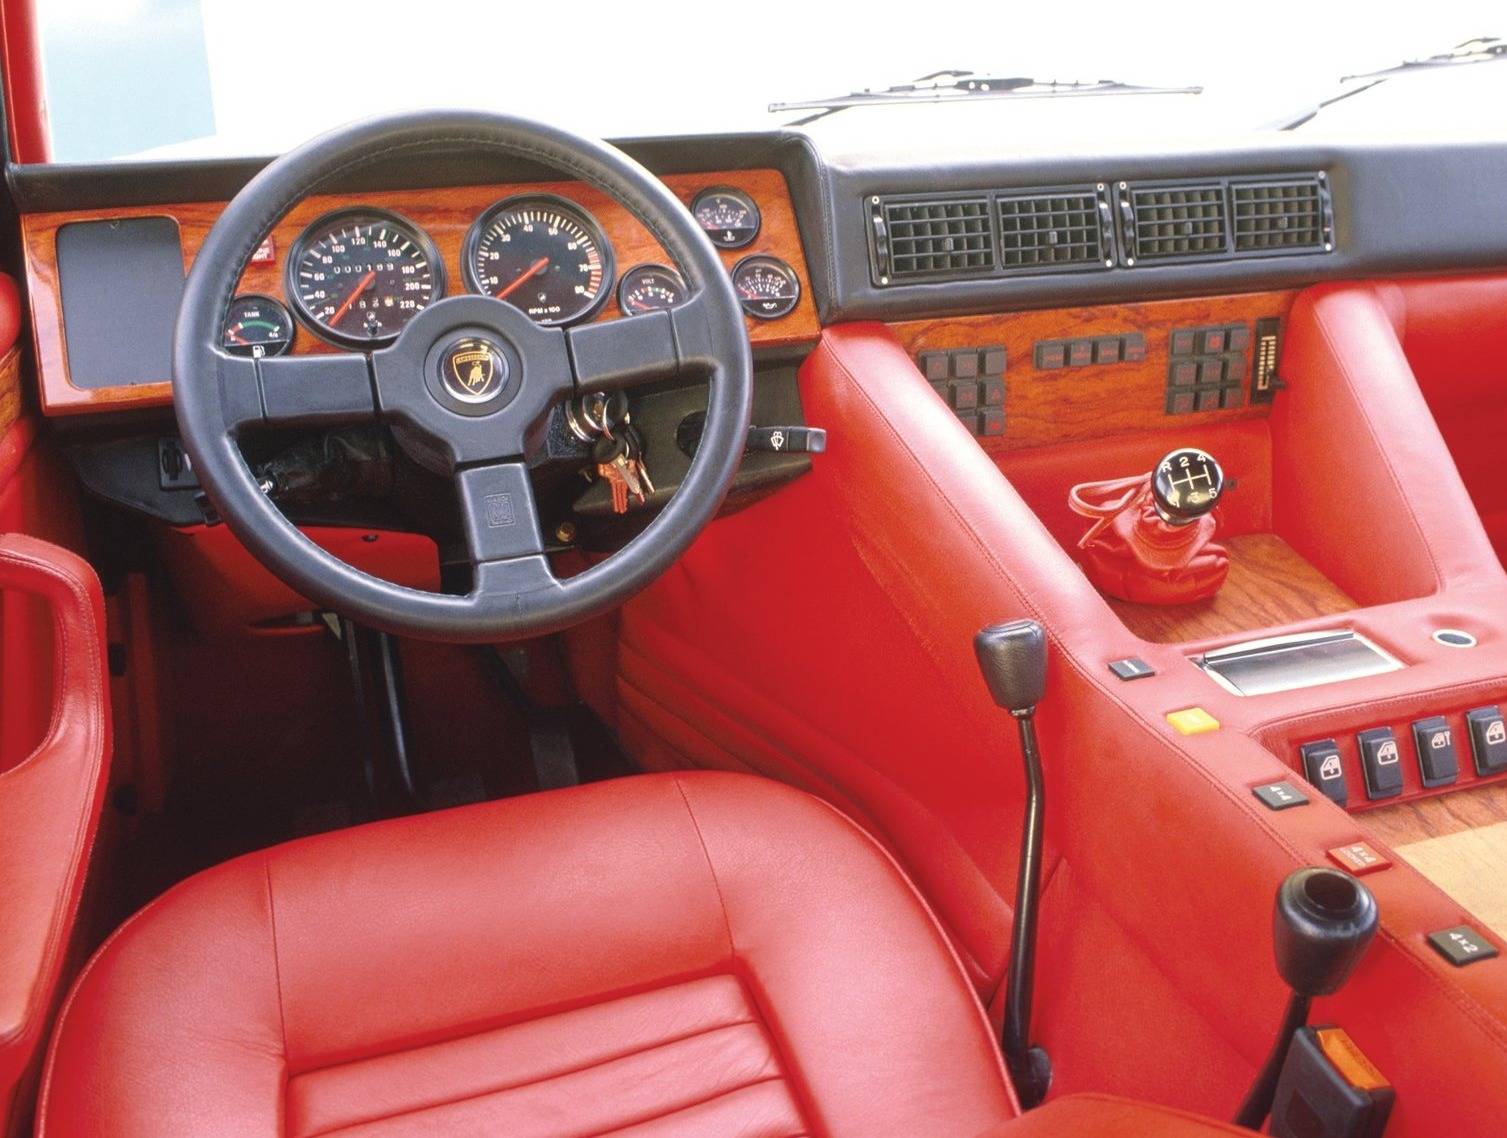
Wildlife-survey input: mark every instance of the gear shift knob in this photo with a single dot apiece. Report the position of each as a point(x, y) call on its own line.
point(1013, 658)
point(1186, 485)
point(1324, 921)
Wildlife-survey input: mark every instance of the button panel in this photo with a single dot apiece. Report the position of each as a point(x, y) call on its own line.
point(1207, 369)
point(1462, 945)
point(972, 382)
point(1127, 348)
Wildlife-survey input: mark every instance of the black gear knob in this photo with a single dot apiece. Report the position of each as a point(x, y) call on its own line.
point(1186, 485)
point(1013, 658)
point(1324, 921)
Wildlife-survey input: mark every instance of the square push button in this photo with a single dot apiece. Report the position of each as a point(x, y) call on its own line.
point(1436, 751)
point(992, 360)
point(1279, 795)
point(1462, 945)
point(1131, 668)
point(934, 365)
point(1381, 760)
point(1192, 721)
point(1488, 739)
point(1358, 857)
point(1322, 767)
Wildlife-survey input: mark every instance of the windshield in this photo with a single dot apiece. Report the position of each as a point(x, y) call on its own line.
point(154, 79)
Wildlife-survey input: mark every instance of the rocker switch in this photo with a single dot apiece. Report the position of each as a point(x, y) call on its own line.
point(1381, 760)
point(1323, 768)
point(1436, 751)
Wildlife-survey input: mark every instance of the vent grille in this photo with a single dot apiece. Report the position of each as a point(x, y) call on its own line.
point(1176, 221)
point(934, 237)
point(1276, 216)
point(1050, 230)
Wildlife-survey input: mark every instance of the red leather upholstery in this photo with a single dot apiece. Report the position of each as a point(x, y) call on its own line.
point(823, 636)
point(49, 807)
point(702, 954)
point(1101, 1116)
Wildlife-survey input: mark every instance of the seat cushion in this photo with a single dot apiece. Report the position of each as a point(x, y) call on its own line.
point(700, 954)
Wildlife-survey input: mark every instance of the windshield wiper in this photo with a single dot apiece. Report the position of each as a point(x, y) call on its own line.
point(951, 86)
point(1482, 49)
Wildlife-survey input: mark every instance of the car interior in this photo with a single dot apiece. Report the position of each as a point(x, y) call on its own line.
point(751, 634)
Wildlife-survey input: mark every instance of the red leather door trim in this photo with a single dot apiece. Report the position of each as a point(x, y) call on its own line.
point(49, 805)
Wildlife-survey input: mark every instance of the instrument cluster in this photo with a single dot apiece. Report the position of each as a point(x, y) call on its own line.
point(356, 276)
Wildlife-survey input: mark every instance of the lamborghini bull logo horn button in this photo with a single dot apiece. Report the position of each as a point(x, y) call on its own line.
point(473, 370)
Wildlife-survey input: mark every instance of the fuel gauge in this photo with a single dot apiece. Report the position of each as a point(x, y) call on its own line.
point(257, 326)
point(729, 217)
point(767, 287)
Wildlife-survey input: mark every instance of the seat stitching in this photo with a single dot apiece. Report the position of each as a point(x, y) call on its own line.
point(727, 922)
point(277, 968)
point(618, 1129)
point(551, 1077)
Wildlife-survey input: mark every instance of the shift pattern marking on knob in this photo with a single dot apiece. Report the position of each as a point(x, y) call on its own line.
point(1186, 485)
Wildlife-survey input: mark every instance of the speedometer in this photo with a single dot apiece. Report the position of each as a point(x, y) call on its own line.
point(542, 254)
point(358, 276)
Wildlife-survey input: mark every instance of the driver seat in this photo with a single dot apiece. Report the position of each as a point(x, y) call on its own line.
point(690, 954)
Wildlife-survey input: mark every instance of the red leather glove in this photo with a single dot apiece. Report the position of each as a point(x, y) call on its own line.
point(1131, 553)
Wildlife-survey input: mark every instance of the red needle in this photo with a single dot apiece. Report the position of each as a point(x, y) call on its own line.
point(361, 287)
point(507, 290)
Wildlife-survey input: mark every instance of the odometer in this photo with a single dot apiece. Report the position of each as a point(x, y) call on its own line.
point(358, 276)
point(543, 255)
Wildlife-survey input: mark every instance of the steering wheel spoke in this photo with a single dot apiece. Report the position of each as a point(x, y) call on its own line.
point(324, 390)
point(613, 354)
point(497, 506)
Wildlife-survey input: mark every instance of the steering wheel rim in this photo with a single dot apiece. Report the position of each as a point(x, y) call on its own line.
point(514, 593)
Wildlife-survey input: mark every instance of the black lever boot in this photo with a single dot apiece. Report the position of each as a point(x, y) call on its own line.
point(1324, 921)
point(1013, 658)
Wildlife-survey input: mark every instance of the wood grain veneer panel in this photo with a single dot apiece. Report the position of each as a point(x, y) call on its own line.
point(10, 388)
point(1441, 815)
point(446, 215)
point(1269, 584)
point(1471, 866)
point(1043, 407)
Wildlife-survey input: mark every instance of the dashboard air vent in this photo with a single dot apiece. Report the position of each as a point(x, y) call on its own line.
point(1291, 215)
point(1172, 222)
point(1065, 229)
point(920, 238)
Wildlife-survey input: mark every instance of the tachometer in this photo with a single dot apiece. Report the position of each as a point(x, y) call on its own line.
point(358, 276)
point(257, 326)
point(543, 255)
point(648, 288)
point(766, 286)
point(729, 217)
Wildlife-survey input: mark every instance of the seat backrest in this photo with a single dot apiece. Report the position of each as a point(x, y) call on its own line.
point(49, 810)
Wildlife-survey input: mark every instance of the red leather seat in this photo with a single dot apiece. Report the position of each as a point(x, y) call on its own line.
point(688, 955)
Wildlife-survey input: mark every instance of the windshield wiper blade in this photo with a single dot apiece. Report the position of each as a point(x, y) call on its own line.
point(955, 86)
point(1482, 49)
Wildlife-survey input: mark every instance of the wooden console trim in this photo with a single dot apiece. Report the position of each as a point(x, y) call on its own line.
point(1270, 584)
point(1074, 404)
point(10, 388)
point(446, 215)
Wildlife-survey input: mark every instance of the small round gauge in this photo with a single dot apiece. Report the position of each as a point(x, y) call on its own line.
point(729, 217)
point(767, 287)
point(358, 276)
point(257, 326)
point(648, 288)
point(543, 255)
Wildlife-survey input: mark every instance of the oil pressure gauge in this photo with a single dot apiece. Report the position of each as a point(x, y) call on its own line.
point(729, 217)
point(766, 286)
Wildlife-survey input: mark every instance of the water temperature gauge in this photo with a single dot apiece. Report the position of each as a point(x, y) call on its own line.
point(766, 286)
point(257, 326)
point(729, 217)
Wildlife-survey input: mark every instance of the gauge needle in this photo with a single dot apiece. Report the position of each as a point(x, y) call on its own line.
point(507, 290)
point(361, 287)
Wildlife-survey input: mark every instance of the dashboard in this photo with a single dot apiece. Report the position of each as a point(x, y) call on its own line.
point(347, 271)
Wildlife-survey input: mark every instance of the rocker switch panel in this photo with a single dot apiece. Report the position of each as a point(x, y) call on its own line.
point(1381, 760)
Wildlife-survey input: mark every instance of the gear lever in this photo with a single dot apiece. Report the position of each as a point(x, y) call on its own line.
point(1324, 921)
point(1013, 658)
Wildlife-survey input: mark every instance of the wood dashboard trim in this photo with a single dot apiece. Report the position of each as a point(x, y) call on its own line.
point(1047, 407)
point(445, 214)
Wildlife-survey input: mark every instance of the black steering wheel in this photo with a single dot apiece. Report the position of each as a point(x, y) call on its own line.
point(482, 436)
